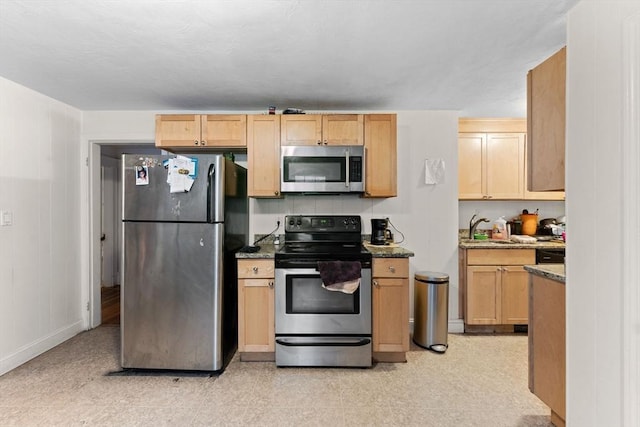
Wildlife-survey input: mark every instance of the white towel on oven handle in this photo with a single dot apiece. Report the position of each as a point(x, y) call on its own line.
point(348, 287)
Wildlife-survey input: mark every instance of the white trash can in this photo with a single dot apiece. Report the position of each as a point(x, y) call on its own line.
point(431, 310)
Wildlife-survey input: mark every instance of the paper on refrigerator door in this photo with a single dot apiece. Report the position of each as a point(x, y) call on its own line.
point(434, 171)
point(181, 172)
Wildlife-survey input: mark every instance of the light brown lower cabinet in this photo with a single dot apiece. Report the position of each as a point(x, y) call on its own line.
point(496, 286)
point(256, 314)
point(390, 309)
point(547, 345)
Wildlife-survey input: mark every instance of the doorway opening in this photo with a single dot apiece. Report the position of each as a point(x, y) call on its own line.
point(108, 202)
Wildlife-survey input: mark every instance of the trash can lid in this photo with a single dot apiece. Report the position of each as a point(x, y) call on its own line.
point(432, 276)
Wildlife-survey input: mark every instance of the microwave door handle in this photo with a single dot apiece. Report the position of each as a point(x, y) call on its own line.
point(347, 166)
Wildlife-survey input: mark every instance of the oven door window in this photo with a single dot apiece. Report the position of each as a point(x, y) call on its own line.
point(305, 295)
point(314, 169)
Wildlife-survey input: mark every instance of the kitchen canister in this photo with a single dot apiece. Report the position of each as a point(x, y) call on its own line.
point(529, 224)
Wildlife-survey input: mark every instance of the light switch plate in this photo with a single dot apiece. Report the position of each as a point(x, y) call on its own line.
point(6, 218)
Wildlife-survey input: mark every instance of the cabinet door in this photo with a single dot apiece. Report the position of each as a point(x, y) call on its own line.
point(483, 295)
point(543, 195)
point(256, 318)
point(495, 257)
point(343, 129)
point(223, 130)
point(178, 130)
point(471, 158)
point(390, 315)
point(504, 167)
point(515, 295)
point(390, 267)
point(256, 269)
point(380, 155)
point(537, 195)
point(547, 343)
point(546, 111)
point(263, 155)
point(301, 129)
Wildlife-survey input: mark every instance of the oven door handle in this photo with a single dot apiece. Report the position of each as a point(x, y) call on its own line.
point(343, 342)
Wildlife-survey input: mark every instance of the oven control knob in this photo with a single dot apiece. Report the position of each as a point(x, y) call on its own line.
point(299, 223)
point(291, 221)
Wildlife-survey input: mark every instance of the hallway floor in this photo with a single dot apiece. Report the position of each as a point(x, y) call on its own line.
point(480, 381)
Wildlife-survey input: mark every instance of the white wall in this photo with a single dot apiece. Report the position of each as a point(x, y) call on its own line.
point(426, 214)
point(597, 92)
point(40, 280)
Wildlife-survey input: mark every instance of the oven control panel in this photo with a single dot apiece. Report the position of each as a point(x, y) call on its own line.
point(323, 224)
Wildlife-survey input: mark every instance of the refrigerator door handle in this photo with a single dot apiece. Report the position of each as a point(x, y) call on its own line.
point(210, 189)
point(216, 190)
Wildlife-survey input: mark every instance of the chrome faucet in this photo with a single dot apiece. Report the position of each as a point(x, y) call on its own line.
point(473, 225)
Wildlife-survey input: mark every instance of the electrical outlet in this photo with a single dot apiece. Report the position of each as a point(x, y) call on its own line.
point(6, 218)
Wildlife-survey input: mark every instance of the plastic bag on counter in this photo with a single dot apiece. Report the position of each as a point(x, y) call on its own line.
point(499, 230)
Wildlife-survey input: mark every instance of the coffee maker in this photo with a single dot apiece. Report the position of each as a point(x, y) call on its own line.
point(379, 232)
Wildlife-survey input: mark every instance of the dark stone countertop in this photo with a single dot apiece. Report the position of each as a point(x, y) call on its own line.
point(550, 271)
point(388, 251)
point(507, 244)
point(267, 251)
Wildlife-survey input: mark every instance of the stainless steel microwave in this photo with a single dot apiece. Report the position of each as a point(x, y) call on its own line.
point(322, 169)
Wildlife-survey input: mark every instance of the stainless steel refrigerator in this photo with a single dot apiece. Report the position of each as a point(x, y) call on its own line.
point(179, 285)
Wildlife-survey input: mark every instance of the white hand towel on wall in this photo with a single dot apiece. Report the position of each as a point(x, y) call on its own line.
point(434, 171)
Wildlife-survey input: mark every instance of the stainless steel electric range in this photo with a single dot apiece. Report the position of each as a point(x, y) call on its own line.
point(316, 325)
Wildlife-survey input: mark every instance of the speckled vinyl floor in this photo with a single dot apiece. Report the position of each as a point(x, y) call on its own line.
point(480, 381)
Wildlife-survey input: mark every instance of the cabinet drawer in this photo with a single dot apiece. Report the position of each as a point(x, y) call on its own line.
point(256, 268)
point(390, 267)
point(501, 256)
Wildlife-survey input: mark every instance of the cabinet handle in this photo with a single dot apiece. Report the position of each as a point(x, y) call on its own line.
point(203, 142)
point(276, 193)
point(319, 142)
point(375, 283)
point(196, 142)
point(255, 269)
point(392, 269)
point(271, 283)
point(325, 142)
point(505, 269)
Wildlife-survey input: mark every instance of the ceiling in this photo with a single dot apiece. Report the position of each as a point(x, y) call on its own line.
point(245, 55)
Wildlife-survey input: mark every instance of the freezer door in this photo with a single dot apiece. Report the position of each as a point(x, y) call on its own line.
point(151, 199)
point(172, 296)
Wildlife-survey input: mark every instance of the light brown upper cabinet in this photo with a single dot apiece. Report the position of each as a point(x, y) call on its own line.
point(492, 161)
point(321, 129)
point(263, 155)
point(491, 166)
point(546, 113)
point(380, 142)
point(201, 131)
